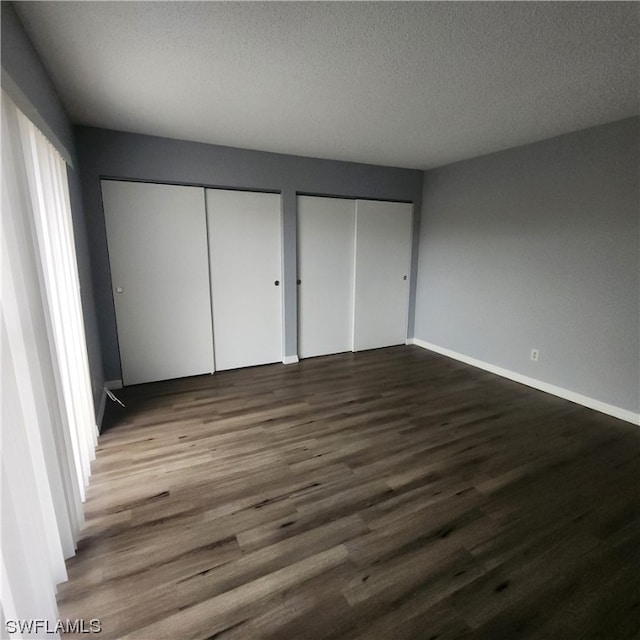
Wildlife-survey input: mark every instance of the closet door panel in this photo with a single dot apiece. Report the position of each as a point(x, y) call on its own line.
point(326, 228)
point(245, 256)
point(382, 262)
point(157, 242)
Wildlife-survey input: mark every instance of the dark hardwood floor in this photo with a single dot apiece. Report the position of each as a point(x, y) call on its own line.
point(386, 494)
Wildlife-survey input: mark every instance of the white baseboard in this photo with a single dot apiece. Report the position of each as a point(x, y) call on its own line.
point(101, 408)
point(572, 396)
point(290, 360)
point(111, 385)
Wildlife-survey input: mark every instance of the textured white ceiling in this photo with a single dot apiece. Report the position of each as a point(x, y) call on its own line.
point(409, 84)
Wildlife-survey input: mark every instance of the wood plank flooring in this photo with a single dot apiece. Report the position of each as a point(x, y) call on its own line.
point(385, 494)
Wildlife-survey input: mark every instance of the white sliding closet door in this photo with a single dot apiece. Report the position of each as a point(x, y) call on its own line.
point(245, 238)
point(326, 228)
point(382, 262)
point(157, 240)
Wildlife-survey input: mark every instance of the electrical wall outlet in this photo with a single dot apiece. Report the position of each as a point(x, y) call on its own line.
point(534, 355)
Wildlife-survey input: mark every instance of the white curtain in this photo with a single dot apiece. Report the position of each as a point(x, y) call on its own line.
point(48, 434)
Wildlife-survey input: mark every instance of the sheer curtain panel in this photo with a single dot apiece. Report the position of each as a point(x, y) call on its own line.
point(48, 434)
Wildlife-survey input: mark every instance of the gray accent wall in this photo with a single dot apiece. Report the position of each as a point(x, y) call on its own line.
point(538, 247)
point(27, 82)
point(39, 99)
point(113, 154)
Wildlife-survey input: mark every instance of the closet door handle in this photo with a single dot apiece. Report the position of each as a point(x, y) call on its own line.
point(277, 283)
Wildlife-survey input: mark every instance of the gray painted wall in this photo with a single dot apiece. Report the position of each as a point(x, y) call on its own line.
point(20, 60)
point(24, 68)
point(538, 246)
point(112, 154)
